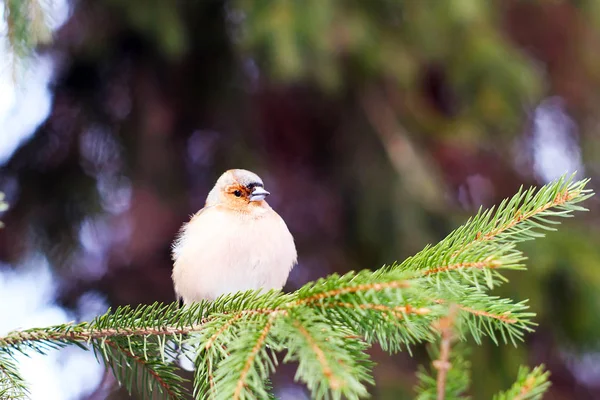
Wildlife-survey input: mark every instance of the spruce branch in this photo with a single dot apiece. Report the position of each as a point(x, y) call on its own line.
point(251, 358)
point(327, 325)
point(530, 385)
point(476, 252)
point(141, 373)
point(12, 386)
point(339, 358)
point(484, 315)
point(249, 362)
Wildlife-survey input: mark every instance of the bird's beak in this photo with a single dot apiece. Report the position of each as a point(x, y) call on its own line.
point(258, 194)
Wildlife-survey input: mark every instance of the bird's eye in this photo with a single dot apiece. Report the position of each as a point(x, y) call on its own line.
point(237, 193)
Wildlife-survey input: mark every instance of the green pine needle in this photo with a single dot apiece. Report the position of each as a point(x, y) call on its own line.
point(12, 386)
point(530, 385)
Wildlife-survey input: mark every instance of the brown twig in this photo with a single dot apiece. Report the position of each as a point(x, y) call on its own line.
point(352, 289)
point(487, 263)
point(416, 170)
point(225, 326)
point(211, 377)
point(397, 311)
point(334, 383)
point(141, 361)
point(442, 364)
point(259, 343)
point(481, 313)
point(85, 335)
point(559, 199)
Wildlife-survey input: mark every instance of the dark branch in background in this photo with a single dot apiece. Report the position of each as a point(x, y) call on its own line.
point(414, 168)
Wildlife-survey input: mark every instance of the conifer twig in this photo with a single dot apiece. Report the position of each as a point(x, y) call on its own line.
point(442, 364)
point(482, 313)
point(252, 356)
point(487, 263)
point(142, 362)
point(530, 385)
point(327, 371)
point(12, 385)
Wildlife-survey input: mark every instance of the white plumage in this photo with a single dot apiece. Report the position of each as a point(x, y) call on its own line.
point(236, 242)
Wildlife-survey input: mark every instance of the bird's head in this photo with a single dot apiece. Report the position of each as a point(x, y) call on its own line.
point(238, 189)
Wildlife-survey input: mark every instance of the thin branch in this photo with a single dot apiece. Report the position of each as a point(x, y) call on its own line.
point(259, 344)
point(334, 383)
point(559, 200)
point(353, 289)
point(225, 326)
point(480, 313)
point(398, 311)
point(211, 377)
point(86, 334)
point(17, 337)
point(487, 263)
point(418, 172)
point(442, 364)
point(143, 363)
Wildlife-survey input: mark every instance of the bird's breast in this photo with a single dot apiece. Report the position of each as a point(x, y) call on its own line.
point(222, 252)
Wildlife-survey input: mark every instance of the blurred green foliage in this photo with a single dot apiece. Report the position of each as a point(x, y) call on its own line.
point(382, 110)
point(341, 43)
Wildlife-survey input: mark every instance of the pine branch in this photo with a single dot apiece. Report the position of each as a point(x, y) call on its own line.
point(477, 251)
point(12, 386)
point(326, 326)
point(340, 359)
point(492, 316)
point(140, 373)
point(144, 321)
point(530, 385)
point(249, 362)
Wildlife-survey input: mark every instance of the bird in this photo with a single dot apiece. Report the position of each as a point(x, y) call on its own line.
point(236, 242)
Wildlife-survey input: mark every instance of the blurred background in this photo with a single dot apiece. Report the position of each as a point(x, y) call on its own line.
point(377, 125)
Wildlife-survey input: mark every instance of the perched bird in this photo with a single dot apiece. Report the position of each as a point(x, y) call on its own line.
point(236, 242)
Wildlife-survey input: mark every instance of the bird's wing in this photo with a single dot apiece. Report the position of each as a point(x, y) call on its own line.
point(181, 232)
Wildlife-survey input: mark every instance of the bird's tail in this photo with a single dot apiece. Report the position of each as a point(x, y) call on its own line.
point(183, 355)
